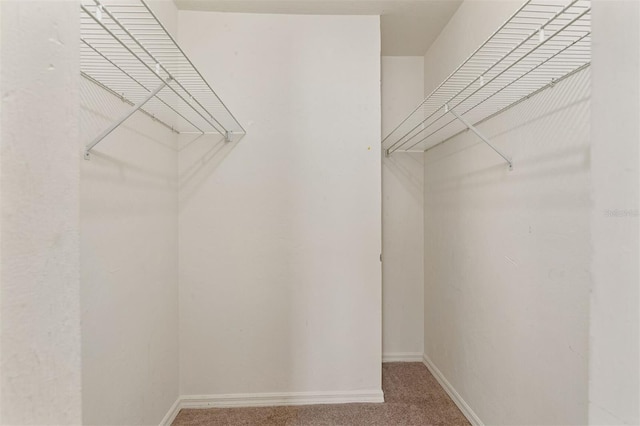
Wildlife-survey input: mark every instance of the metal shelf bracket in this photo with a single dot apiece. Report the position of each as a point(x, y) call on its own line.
point(122, 119)
point(477, 132)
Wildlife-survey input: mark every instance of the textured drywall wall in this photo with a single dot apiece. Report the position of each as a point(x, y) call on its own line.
point(39, 278)
point(507, 254)
point(129, 261)
point(402, 216)
point(614, 397)
point(280, 282)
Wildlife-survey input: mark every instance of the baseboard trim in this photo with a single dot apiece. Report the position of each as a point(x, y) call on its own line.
point(455, 396)
point(275, 399)
point(402, 357)
point(172, 413)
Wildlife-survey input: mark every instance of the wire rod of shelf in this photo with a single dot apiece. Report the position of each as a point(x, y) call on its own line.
point(127, 51)
point(542, 43)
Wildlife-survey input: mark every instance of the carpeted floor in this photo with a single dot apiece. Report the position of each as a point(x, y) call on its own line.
point(412, 397)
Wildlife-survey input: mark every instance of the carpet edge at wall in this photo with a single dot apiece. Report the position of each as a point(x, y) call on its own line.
point(271, 399)
point(402, 357)
point(453, 394)
point(172, 413)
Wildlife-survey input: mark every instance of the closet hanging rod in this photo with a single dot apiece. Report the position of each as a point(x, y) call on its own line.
point(492, 65)
point(127, 101)
point(489, 97)
point(158, 63)
point(126, 51)
point(540, 45)
point(489, 117)
point(525, 56)
point(103, 85)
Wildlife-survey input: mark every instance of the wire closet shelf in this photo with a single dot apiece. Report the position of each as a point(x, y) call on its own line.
point(542, 43)
point(125, 50)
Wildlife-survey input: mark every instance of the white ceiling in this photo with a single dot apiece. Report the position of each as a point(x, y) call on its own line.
point(408, 27)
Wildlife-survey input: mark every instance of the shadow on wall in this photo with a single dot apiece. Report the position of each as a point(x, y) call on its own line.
point(101, 108)
point(138, 156)
point(507, 256)
point(407, 167)
point(128, 263)
point(546, 137)
point(121, 156)
point(200, 156)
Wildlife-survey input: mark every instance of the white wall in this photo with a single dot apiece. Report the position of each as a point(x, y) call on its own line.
point(402, 217)
point(280, 282)
point(507, 254)
point(129, 261)
point(39, 278)
point(614, 397)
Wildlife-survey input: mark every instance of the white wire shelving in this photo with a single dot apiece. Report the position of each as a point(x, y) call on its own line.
point(541, 44)
point(125, 49)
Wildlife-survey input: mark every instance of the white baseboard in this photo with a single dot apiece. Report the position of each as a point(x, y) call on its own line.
point(402, 357)
point(455, 396)
point(172, 413)
point(285, 398)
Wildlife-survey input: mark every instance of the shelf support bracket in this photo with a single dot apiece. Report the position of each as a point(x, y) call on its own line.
point(122, 119)
point(480, 135)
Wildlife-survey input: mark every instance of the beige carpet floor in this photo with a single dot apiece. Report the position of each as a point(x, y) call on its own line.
point(412, 397)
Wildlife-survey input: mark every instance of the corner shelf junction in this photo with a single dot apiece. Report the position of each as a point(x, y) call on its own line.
point(542, 43)
point(125, 50)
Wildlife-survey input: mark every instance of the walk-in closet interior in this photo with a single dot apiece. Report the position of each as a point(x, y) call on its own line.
point(227, 204)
